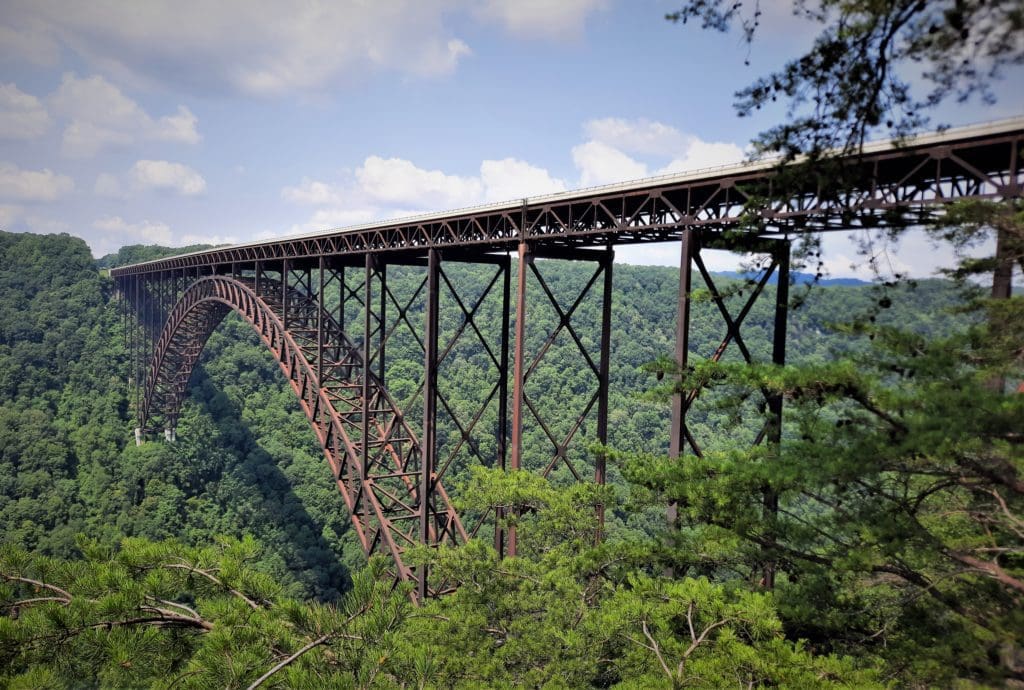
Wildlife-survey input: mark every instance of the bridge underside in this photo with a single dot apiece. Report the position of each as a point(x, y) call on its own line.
point(327, 310)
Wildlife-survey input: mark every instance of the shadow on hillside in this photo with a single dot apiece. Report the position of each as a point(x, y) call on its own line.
point(260, 496)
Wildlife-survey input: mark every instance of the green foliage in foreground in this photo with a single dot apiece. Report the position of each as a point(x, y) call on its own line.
point(161, 615)
point(898, 533)
point(564, 614)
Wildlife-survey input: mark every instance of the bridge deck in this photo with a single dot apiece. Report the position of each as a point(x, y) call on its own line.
point(889, 182)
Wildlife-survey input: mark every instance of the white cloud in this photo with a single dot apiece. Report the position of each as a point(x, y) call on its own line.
point(510, 178)
point(600, 163)
point(110, 233)
point(85, 139)
point(253, 46)
point(32, 185)
point(188, 239)
point(116, 232)
point(147, 174)
point(109, 186)
point(636, 136)
point(608, 155)
point(393, 187)
point(839, 265)
point(179, 127)
point(398, 182)
point(388, 187)
point(541, 17)
point(333, 217)
point(704, 154)
point(311, 192)
point(668, 254)
point(22, 115)
point(101, 114)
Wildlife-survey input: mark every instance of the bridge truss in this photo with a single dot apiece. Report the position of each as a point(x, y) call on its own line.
point(326, 309)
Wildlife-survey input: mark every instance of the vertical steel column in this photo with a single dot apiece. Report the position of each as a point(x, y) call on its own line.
point(148, 297)
point(771, 498)
point(342, 286)
point(158, 304)
point(499, 532)
point(147, 353)
point(284, 294)
point(429, 448)
point(677, 441)
point(136, 348)
point(258, 278)
point(320, 325)
point(382, 273)
point(518, 370)
point(365, 393)
point(603, 368)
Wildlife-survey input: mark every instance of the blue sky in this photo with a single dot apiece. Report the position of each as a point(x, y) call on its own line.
point(184, 122)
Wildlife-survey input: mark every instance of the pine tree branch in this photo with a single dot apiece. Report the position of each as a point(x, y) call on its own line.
point(323, 639)
point(697, 642)
point(192, 569)
point(173, 616)
point(36, 600)
point(990, 568)
point(176, 604)
point(1016, 523)
point(37, 583)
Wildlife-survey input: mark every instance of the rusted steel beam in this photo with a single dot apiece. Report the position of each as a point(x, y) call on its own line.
point(518, 372)
point(499, 511)
point(603, 372)
point(429, 449)
point(679, 433)
point(771, 498)
point(367, 357)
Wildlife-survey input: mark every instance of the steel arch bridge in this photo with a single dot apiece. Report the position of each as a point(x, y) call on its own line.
point(323, 305)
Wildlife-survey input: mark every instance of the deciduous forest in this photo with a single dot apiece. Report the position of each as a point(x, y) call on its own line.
point(211, 561)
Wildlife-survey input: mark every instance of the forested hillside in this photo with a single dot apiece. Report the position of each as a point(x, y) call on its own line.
point(245, 461)
point(247, 465)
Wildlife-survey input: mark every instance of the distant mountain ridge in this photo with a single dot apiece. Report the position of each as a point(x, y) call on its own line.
point(797, 277)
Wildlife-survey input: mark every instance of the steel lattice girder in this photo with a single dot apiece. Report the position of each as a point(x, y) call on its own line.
point(887, 184)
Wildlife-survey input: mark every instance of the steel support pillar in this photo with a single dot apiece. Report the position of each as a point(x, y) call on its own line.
point(771, 498)
point(367, 355)
point(284, 293)
point(516, 450)
point(680, 434)
point(382, 276)
point(594, 364)
point(603, 372)
point(499, 511)
point(428, 459)
point(681, 437)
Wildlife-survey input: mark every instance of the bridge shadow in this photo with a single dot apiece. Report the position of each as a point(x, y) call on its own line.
point(258, 497)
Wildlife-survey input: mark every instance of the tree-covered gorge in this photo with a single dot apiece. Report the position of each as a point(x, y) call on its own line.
point(68, 464)
point(245, 489)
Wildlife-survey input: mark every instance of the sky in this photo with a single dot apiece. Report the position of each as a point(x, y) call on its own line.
point(187, 122)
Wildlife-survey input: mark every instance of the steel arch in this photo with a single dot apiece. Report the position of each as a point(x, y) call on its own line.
point(374, 455)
